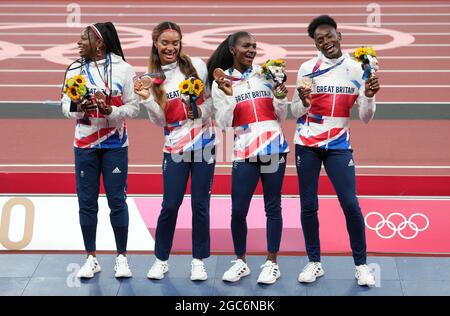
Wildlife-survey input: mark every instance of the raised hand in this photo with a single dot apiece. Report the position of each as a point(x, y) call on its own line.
point(141, 89)
point(372, 86)
point(281, 89)
point(305, 95)
point(225, 86)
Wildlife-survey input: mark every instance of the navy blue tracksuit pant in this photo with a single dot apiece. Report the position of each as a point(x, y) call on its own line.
point(245, 177)
point(341, 171)
point(112, 163)
point(175, 176)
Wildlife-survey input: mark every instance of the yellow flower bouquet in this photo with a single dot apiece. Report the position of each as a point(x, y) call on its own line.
point(367, 56)
point(192, 88)
point(75, 88)
point(275, 70)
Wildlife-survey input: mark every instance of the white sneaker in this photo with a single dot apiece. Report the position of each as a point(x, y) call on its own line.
point(364, 275)
point(311, 272)
point(158, 269)
point(198, 271)
point(270, 273)
point(122, 269)
point(238, 270)
point(89, 268)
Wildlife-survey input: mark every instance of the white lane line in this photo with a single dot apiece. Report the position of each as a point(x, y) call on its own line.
point(384, 24)
point(427, 5)
point(111, 14)
point(209, 6)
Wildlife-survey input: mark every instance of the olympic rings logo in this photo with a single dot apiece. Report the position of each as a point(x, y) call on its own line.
point(400, 227)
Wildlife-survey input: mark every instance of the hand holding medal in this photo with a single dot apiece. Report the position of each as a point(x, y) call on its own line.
point(144, 83)
point(305, 86)
point(223, 81)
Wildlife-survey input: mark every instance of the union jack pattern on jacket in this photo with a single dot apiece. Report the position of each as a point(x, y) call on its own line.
point(182, 134)
point(96, 130)
point(325, 123)
point(254, 114)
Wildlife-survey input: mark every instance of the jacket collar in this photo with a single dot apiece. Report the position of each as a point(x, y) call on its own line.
point(334, 60)
point(114, 59)
point(169, 66)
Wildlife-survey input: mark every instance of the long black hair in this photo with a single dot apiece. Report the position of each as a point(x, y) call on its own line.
point(109, 37)
point(222, 57)
point(107, 33)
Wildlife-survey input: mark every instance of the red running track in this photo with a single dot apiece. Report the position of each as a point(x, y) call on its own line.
point(416, 72)
point(43, 164)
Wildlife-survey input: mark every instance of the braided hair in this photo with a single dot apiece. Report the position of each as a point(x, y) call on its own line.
point(108, 35)
point(222, 57)
point(154, 63)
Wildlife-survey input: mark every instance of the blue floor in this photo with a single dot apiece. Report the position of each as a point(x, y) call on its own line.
point(54, 274)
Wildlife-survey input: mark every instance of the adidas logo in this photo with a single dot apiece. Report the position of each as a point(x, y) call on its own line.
point(282, 160)
point(351, 163)
point(117, 170)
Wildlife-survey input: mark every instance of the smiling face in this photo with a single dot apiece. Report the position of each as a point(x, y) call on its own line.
point(328, 41)
point(168, 46)
point(244, 52)
point(87, 44)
